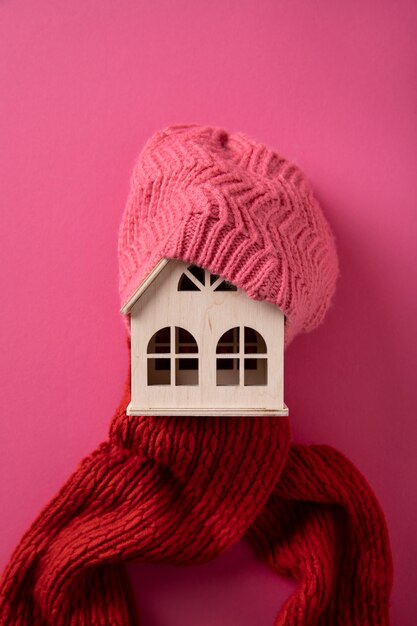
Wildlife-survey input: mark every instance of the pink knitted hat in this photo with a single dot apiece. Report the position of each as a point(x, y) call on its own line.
point(236, 208)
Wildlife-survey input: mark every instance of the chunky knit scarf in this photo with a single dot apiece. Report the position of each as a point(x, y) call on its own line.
point(183, 490)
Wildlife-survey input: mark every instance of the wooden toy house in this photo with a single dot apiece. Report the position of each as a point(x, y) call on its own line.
point(201, 346)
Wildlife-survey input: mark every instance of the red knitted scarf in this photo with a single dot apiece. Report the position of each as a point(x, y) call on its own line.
point(184, 490)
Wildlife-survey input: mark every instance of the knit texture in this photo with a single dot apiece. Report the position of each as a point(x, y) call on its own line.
point(237, 208)
point(183, 490)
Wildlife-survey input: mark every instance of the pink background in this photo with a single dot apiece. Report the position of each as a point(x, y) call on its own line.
point(331, 85)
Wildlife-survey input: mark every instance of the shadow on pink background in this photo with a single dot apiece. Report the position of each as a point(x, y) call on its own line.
point(83, 85)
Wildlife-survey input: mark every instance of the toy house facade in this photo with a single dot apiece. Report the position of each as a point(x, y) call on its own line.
point(201, 346)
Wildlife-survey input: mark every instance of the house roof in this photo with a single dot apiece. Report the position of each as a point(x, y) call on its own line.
point(143, 286)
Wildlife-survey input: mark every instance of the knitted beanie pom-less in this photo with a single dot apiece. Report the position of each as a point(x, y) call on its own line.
point(183, 490)
point(236, 208)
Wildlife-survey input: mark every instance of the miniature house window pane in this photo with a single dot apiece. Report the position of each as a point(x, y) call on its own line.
point(163, 348)
point(193, 279)
point(184, 341)
point(186, 371)
point(254, 342)
point(255, 372)
point(186, 284)
point(226, 286)
point(161, 341)
point(159, 371)
point(229, 342)
point(197, 279)
point(198, 273)
point(223, 286)
point(227, 372)
point(244, 370)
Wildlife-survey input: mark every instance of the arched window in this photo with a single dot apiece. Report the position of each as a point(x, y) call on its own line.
point(195, 278)
point(236, 363)
point(171, 357)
